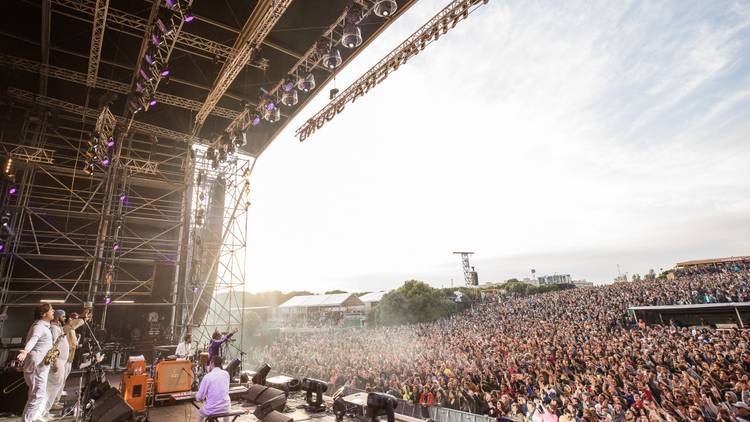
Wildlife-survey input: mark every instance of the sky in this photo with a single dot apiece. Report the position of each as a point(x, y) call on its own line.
point(568, 137)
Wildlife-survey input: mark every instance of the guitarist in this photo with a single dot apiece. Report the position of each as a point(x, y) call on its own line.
point(38, 343)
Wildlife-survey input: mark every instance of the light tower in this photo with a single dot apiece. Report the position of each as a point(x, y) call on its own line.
point(470, 276)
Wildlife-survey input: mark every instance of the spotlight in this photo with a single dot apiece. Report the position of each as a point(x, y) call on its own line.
point(8, 166)
point(12, 190)
point(5, 219)
point(152, 101)
point(188, 15)
point(162, 27)
point(107, 300)
point(332, 58)
point(210, 153)
point(352, 37)
point(105, 161)
point(240, 138)
point(288, 83)
point(156, 39)
point(307, 83)
point(144, 75)
point(164, 72)
point(195, 289)
point(169, 3)
point(150, 58)
point(123, 197)
point(214, 164)
point(116, 246)
point(385, 8)
point(254, 119)
point(310, 386)
point(289, 98)
point(2, 246)
point(381, 404)
point(274, 115)
point(110, 142)
point(269, 105)
point(230, 148)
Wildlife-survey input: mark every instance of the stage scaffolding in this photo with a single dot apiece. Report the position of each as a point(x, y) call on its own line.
point(122, 239)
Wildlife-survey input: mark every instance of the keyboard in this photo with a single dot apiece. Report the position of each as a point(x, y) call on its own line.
point(190, 395)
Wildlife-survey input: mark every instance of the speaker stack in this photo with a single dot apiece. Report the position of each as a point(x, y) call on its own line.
point(111, 407)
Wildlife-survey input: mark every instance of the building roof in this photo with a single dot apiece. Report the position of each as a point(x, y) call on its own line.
point(712, 261)
point(373, 297)
point(314, 301)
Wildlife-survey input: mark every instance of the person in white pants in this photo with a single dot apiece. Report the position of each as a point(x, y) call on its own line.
point(56, 378)
point(71, 337)
point(38, 343)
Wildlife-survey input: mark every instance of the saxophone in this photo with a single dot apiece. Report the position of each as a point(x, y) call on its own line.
point(54, 352)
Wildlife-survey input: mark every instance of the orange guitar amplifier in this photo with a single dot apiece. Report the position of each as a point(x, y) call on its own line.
point(136, 365)
point(134, 391)
point(173, 376)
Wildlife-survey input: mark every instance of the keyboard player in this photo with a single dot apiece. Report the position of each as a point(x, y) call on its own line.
point(214, 390)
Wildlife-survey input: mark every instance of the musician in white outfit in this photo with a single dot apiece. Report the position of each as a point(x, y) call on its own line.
point(185, 348)
point(38, 343)
point(56, 378)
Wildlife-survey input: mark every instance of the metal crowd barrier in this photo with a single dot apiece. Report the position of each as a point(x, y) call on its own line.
point(442, 414)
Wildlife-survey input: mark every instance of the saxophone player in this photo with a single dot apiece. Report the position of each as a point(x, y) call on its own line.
point(56, 378)
point(38, 343)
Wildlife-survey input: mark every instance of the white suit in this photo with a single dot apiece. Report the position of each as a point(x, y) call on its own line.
point(56, 378)
point(38, 343)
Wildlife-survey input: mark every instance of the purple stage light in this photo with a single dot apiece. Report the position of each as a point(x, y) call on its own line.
point(107, 300)
point(105, 161)
point(110, 142)
point(116, 246)
point(2, 247)
point(155, 39)
point(255, 120)
point(152, 102)
point(270, 106)
point(169, 3)
point(164, 73)
point(12, 190)
point(195, 289)
point(189, 16)
point(149, 58)
point(123, 197)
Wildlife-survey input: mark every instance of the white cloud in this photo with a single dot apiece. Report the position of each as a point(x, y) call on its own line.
point(533, 132)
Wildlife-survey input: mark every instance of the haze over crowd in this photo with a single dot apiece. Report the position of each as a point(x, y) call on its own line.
point(566, 137)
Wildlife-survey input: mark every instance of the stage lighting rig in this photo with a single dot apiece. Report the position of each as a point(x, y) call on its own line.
point(307, 83)
point(289, 98)
point(352, 37)
point(385, 8)
point(314, 386)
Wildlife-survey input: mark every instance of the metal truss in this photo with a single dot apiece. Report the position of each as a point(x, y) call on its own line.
point(110, 85)
point(97, 38)
point(30, 97)
point(136, 166)
point(445, 20)
point(33, 154)
point(308, 61)
point(134, 25)
point(213, 295)
point(255, 30)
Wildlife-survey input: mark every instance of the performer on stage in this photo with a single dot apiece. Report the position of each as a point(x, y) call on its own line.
point(214, 390)
point(217, 340)
point(38, 343)
point(56, 377)
point(71, 340)
point(185, 348)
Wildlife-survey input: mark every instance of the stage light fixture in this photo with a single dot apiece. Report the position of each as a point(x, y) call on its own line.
point(144, 75)
point(332, 58)
point(379, 404)
point(307, 83)
point(289, 98)
point(222, 155)
point(107, 300)
point(162, 27)
point(8, 166)
point(152, 101)
point(5, 219)
point(214, 164)
point(230, 148)
point(314, 386)
point(210, 153)
point(13, 190)
point(385, 8)
point(195, 289)
point(105, 161)
point(274, 115)
point(2, 246)
point(333, 93)
point(240, 138)
point(288, 83)
point(116, 246)
point(123, 197)
point(352, 37)
point(164, 72)
point(269, 105)
point(188, 16)
point(149, 57)
point(255, 119)
point(110, 142)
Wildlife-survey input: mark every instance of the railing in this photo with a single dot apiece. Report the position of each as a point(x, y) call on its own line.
point(444, 414)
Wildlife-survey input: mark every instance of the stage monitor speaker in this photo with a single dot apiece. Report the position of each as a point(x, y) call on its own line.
point(14, 391)
point(277, 417)
point(258, 394)
point(174, 376)
point(261, 373)
point(274, 403)
point(233, 368)
point(111, 407)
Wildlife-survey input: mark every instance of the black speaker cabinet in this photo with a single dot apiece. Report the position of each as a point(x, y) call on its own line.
point(277, 417)
point(257, 394)
point(111, 407)
point(13, 391)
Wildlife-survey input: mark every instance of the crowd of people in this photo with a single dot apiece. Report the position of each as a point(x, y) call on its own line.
point(565, 356)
